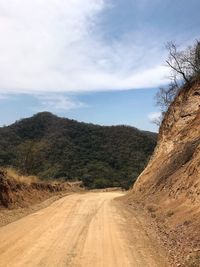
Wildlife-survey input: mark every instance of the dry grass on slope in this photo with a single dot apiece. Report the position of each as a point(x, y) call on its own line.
point(22, 195)
point(13, 174)
point(21, 191)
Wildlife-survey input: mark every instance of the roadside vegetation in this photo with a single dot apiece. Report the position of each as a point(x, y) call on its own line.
point(14, 175)
point(56, 148)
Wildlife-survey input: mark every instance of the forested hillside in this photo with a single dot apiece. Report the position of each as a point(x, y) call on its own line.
point(52, 147)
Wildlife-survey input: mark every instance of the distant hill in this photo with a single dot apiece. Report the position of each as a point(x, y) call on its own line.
point(53, 147)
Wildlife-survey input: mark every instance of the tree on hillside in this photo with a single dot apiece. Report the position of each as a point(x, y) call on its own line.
point(25, 156)
point(30, 154)
point(185, 68)
point(184, 64)
point(165, 96)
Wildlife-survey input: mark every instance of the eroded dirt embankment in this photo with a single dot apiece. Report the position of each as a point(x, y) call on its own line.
point(169, 188)
point(17, 199)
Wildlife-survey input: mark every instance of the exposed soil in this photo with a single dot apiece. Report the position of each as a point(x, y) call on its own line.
point(177, 229)
point(169, 188)
point(91, 229)
point(20, 199)
point(10, 215)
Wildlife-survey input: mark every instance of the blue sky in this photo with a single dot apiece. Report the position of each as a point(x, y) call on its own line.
point(98, 61)
point(130, 107)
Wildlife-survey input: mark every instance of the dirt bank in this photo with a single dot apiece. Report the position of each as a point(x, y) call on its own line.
point(18, 199)
point(169, 188)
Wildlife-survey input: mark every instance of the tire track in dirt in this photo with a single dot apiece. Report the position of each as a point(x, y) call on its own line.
point(80, 230)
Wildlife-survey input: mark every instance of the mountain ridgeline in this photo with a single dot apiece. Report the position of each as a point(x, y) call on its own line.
point(52, 147)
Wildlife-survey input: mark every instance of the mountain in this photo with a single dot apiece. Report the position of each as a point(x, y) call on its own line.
point(170, 185)
point(52, 147)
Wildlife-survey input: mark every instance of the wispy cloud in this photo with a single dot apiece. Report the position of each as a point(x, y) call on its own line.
point(155, 117)
point(58, 103)
point(50, 46)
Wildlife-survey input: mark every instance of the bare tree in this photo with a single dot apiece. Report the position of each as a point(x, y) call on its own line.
point(176, 62)
point(165, 96)
point(185, 68)
point(157, 119)
point(185, 64)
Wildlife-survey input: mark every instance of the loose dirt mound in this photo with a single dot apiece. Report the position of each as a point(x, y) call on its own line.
point(169, 188)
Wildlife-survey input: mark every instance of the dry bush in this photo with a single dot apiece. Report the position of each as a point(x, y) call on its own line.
point(13, 174)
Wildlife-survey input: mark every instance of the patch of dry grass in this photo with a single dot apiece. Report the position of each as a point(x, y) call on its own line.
point(13, 174)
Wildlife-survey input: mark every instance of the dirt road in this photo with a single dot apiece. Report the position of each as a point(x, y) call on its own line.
point(86, 230)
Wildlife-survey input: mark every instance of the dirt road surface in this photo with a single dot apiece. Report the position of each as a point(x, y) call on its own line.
point(85, 230)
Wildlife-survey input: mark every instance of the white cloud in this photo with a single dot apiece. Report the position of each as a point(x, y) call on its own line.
point(58, 103)
point(155, 117)
point(54, 45)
